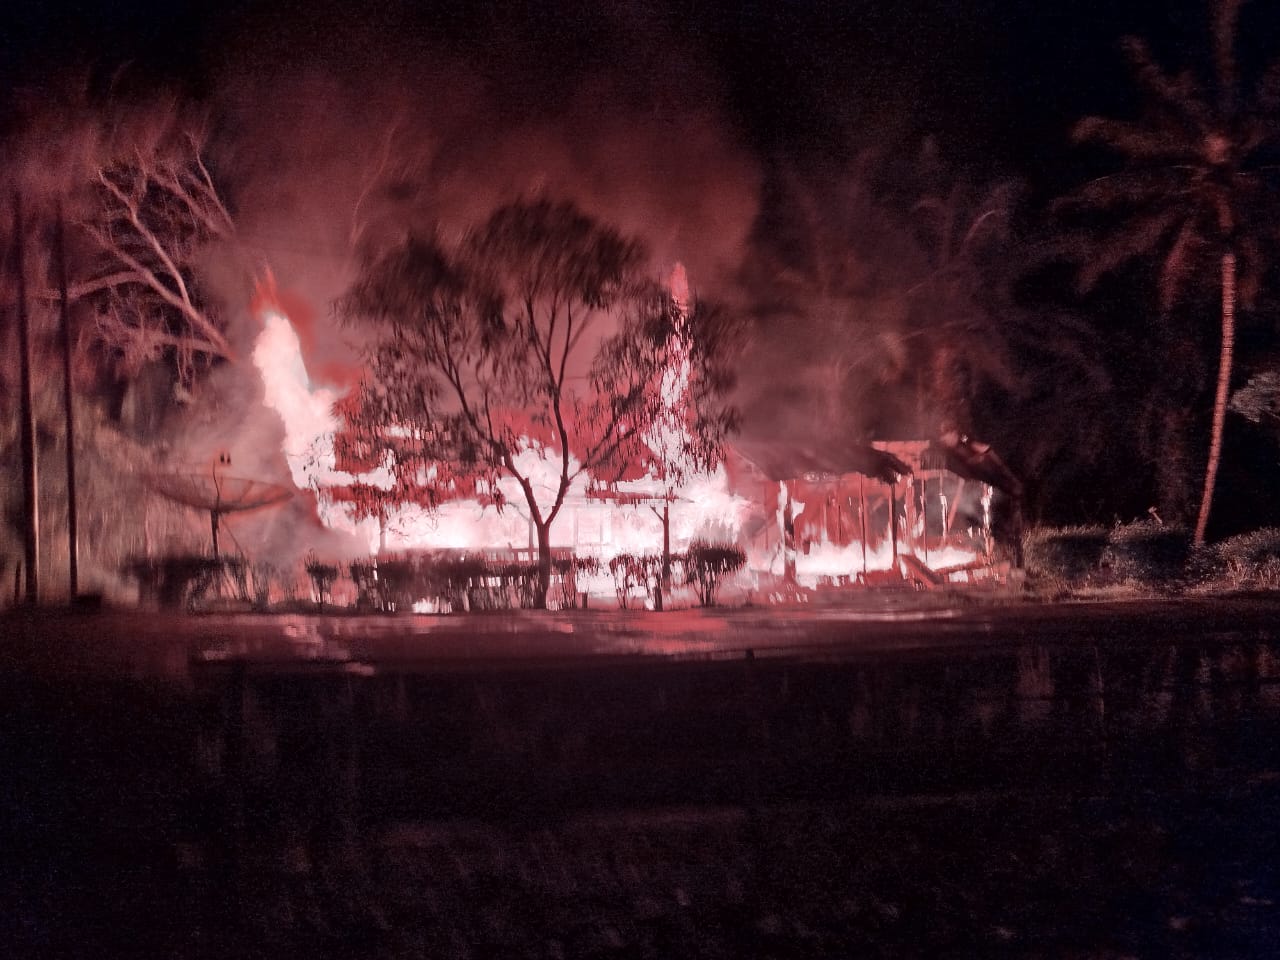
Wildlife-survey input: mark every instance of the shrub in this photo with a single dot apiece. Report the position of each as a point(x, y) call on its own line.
point(631, 570)
point(1150, 552)
point(465, 581)
point(363, 576)
point(271, 583)
point(1252, 558)
point(565, 571)
point(1065, 553)
point(178, 581)
point(518, 585)
point(322, 577)
point(707, 563)
point(459, 578)
point(1204, 564)
point(395, 584)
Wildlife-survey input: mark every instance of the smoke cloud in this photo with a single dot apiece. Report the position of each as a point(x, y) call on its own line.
point(343, 132)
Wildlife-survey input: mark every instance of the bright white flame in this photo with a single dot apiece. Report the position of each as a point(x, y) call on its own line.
point(826, 561)
point(307, 412)
point(309, 421)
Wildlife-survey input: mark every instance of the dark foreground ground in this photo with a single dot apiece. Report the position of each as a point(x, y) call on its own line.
point(1035, 782)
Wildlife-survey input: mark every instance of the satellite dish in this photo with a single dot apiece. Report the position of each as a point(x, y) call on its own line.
point(218, 493)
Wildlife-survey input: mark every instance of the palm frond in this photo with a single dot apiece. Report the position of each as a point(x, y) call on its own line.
point(1139, 238)
point(1178, 263)
point(1180, 94)
point(1135, 141)
point(1127, 189)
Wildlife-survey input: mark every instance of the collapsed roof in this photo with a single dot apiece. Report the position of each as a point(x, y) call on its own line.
point(975, 461)
point(780, 460)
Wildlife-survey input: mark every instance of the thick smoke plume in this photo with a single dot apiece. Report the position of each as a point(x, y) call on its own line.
point(332, 152)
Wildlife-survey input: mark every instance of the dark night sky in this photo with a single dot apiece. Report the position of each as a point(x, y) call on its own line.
point(1000, 81)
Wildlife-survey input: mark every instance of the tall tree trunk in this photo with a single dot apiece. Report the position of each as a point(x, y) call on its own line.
point(30, 463)
point(544, 565)
point(664, 575)
point(73, 541)
point(1222, 392)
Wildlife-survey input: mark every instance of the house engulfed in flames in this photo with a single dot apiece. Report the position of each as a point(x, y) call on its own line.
point(891, 511)
point(899, 512)
point(917, 512)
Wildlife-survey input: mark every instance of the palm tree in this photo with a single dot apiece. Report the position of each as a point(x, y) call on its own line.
point(1193, 191)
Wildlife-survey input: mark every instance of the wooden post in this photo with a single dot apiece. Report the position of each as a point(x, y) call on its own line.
point(924, 515)
point(893, 520)
point(664, 575)
point(862, 513)
point(73, 540)
point(30, 485)
point(908, 515)
point(788, 540)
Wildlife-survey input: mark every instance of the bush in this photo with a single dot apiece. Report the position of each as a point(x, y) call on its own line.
point(1252, 558)
point(565, 571)
point(464, 581)
point(707, 563)
point(322, 577)
point(399, 584)
point(1149, 552)
point(178, 581)
point(631, 570)
point(1072, 554)
point(366, 581)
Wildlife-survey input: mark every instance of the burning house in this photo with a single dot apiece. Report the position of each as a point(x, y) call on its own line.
point(843, 514)
point(848, 513)
point(888, 511)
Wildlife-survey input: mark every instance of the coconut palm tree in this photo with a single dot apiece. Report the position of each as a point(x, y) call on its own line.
point(1194, 192)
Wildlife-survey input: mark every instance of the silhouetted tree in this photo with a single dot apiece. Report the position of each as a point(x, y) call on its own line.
point(878, 289)
point(1191, 193)
point(143, 209)
point(538, 337)
point(962, 333)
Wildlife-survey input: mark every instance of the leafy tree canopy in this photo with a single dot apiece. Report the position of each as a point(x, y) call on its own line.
point(538, 338)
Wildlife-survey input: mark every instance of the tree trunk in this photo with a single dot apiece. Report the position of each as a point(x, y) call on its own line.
point(30, 463)
point(1222, 392)
point(664, 575)
point(543, 586)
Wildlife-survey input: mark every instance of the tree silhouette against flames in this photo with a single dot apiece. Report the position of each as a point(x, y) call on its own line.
point(541, 332)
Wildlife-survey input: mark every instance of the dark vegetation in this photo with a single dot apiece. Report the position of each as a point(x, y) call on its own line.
point(709, 563)
point(178, 581)
point(445, 580)
point(1150, 555)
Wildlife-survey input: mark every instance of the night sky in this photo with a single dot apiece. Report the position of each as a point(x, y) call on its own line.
point(999, 81)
